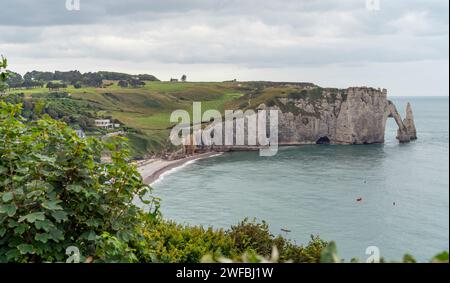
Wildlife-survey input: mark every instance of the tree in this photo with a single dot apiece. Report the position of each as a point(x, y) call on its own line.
point(3, 73)
point(51, 86)
point(114, 76)
point(68, 77)
point(92, 79)
point(77, 85)
point(136, 83)
point(14, 80)
point(55, 86)
point(122, 83)
point(146, 77)
point(32, 84)
point(56, 193)
point(38, 76)
point(183, 78)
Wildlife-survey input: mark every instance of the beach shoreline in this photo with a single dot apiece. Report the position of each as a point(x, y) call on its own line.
point(153, 169)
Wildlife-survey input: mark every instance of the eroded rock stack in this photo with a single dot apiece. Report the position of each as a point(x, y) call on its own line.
point(356, 115)
point(408, 122)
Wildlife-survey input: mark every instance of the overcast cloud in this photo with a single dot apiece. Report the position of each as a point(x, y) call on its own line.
point(404, 46)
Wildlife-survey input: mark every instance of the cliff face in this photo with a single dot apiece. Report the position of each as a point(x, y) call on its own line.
point(350, 116)
point(409, 126)
point(354, 116)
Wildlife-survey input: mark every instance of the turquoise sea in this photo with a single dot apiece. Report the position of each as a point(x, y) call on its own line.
point(313, 190)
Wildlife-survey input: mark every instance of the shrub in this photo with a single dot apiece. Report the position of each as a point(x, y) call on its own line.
point(252, 236)
point(55, 192)
point(166, 241)
point(112, 250)
point(122, 83)
point(311, 253)
point(170, 242)
point(298, 95)
point(271, 102)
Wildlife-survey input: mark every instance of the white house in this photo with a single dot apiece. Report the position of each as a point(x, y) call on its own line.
point(106, 124)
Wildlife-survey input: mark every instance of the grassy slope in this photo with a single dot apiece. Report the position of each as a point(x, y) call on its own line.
point(147, 109)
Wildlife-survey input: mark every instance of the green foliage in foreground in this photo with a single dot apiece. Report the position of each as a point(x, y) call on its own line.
point(328, 255)
point(55, 192)
point(170, 242)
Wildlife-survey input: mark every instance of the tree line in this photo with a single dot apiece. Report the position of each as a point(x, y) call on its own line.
point(36, 79)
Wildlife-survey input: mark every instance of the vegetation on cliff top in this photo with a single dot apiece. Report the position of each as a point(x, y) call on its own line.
point(143, 109)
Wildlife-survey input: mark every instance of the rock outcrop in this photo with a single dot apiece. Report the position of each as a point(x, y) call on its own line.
point(408, 122)
point(356, 115)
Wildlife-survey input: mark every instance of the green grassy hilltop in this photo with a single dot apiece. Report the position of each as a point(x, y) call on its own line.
point(144, 111)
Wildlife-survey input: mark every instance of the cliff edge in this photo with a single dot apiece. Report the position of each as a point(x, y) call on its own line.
point(356, 115)
point(314, 115)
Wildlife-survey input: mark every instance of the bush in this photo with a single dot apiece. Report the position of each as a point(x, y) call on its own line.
point(55, 192)
point(311, 253)
point(271, 102)
point(112, 250)
point(252, 236)
point(171, 242)
point(122, 83)
point(256, 238)
point(312, 94)
point(298, 95)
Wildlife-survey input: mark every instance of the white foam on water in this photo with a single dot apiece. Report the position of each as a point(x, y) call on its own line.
point(177, 168)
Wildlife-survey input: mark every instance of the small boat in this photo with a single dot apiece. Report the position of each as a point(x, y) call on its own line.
point(359, 199)
point(286, 230)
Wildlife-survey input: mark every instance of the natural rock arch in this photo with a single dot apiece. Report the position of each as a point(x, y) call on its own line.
point(406, 128)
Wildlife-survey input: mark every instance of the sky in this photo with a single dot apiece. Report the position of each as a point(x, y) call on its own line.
point(401, 45)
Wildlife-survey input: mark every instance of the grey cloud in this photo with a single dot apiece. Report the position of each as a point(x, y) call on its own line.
point(53, 12)
point(250, 33)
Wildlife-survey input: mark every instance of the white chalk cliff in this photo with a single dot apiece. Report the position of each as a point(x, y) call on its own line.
point(355, 116)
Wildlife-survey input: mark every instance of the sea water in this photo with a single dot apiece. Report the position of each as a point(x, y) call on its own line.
point(313, 190)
